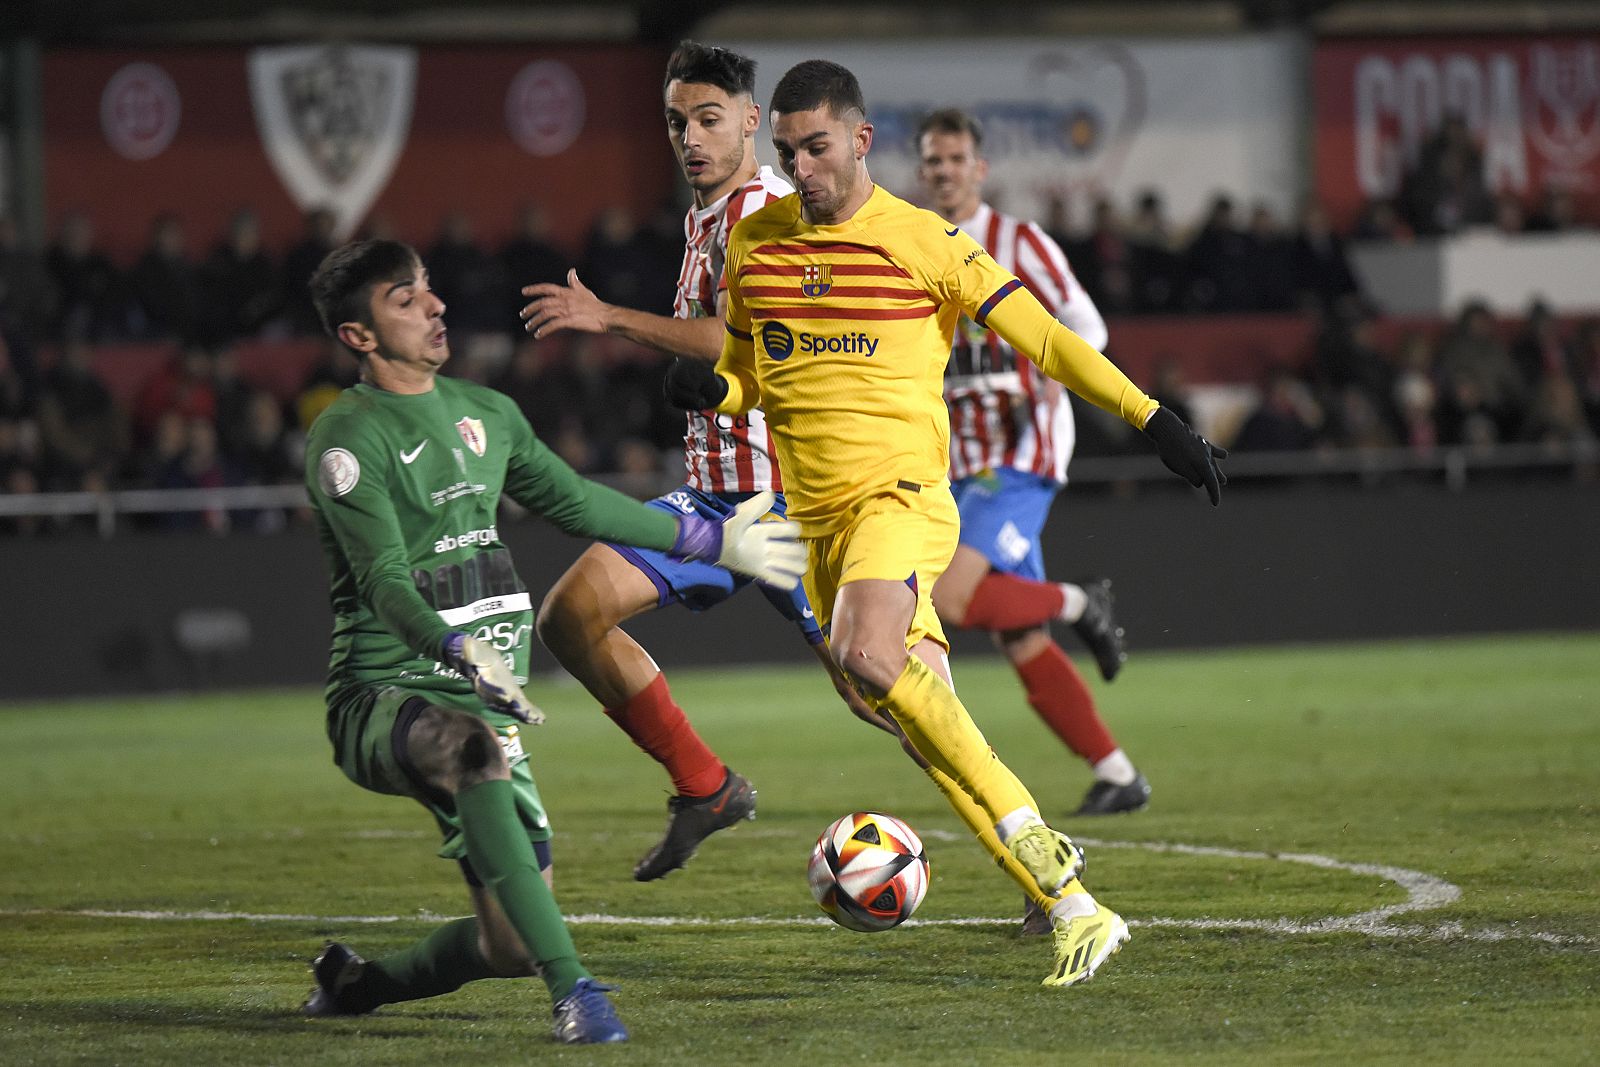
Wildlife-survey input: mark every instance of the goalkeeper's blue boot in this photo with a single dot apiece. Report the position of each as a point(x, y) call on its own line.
point(336, 970)
point(1097, 628)
point(585, 1015)
point(690, 820)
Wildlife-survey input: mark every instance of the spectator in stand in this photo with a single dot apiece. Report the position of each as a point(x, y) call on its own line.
point(264, 452)
point(1347, 358)
point(468, 279)
point(1380, 220)
point(1153, 263)
point(1555, 415)
point(610, 268)
point(239, 283)
point(1509, 217)
point(1415, 394)
point(544, 378)
point(82, 432)
point(1171, 388)
point(316, 241)
point(1217, 263)
point(1586, 368)
point(27, 296)
point(19, 464)
point(165, 285)
point(1539, 351)
point(328, 377)
point(1445, 192)
point(659, 249)
point(1320, 269)
point(89, 288)
point(1481, 393)
point(1556, 213)
point(1106, 256)
point(531, 258)
point(1288, 418)
point(1268, 273)
point(185, 384)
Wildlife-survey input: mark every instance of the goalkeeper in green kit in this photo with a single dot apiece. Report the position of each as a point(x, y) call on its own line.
point(432, 628)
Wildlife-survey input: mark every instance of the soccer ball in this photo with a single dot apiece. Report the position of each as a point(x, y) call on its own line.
point(868, 871)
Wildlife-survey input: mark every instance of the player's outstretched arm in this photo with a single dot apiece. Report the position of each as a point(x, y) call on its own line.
point(491, 678)
point(1187, 454)
point(574, 306)
point(769, 550)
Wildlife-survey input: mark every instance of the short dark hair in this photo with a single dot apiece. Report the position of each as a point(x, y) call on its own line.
point(341, 287)
point(815, 82)
point(705, 64)
point(951, 120)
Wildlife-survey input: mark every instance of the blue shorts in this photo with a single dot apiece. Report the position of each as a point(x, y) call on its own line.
point(699, 585)
point(1002, 514)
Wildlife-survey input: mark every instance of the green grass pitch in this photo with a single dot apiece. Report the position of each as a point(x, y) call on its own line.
point(1414, 770)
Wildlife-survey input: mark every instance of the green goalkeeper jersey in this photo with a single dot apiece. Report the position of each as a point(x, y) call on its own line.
point(406, 489)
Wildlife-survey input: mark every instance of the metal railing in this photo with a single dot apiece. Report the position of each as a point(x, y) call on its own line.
point(1455, 466)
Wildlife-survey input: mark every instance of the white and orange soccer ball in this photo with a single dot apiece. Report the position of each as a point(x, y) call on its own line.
point(868, 871)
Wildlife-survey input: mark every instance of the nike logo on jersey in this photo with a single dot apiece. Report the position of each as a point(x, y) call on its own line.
point(952, 231)
point(410, 457)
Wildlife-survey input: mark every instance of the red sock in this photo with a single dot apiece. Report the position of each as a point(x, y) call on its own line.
point(1057, 692)
point(656, 724)
point(1006, 602)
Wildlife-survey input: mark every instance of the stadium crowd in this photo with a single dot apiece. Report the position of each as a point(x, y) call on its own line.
point(198, 423)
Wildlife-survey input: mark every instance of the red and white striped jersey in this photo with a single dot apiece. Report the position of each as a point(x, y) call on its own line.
point(1003, 411)
point(723, 453)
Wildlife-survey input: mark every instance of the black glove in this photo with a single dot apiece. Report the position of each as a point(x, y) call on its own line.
point(1187, 454)
point(694, 385)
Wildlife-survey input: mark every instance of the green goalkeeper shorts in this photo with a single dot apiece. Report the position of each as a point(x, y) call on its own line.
point(368, 729)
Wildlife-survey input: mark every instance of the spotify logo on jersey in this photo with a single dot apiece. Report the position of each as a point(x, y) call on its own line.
point(777, 340)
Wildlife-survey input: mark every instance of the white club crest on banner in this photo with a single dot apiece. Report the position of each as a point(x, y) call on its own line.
point(333, 119)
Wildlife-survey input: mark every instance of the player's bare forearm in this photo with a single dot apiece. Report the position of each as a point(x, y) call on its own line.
point(574, 306)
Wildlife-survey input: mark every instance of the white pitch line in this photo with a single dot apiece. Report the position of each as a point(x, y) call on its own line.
point(1424, 892)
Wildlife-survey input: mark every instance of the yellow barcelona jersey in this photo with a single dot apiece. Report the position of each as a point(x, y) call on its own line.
point(841, 334)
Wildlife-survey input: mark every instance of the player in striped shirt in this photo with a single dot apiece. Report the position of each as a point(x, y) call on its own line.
point(712, 120)
point(1011, 437)
point(842, 306)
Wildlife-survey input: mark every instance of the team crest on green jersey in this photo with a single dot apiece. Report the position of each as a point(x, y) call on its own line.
point(817, 280)
point(472, 433)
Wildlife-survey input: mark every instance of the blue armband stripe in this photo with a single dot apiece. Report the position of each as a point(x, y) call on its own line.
point(981, 318)
point(743, 335)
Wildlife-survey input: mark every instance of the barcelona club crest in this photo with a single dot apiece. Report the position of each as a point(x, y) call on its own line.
point(817, 280)
point(472, 433)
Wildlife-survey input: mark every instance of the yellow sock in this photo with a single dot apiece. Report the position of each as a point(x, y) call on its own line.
point(938, 726)
point(973, 816)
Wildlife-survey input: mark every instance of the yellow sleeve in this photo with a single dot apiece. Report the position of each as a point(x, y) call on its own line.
point(1027, 327)
point(737, 364)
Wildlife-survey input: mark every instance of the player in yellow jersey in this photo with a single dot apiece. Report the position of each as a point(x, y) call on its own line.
point(842, 301)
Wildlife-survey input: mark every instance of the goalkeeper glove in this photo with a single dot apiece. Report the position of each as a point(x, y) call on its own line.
point(483, 665)
point(694, 385)
point(1187, 454)
point(769, 552)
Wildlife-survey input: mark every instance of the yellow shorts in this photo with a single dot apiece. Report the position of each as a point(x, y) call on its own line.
point(900, 535)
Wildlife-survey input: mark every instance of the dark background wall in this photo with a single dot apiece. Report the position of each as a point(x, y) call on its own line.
point(1272, 564)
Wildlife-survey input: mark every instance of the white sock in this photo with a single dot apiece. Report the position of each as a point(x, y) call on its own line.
point(1020, 819)
point(1116, 768)
point(1076, 600)
point(1073, 906)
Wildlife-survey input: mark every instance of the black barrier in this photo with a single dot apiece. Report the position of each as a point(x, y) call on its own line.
point(149, 612)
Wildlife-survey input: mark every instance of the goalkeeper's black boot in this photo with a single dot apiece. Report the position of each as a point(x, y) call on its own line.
point(690, 820)
point(335, 970)
point(1098, 629)
point(1106, 798)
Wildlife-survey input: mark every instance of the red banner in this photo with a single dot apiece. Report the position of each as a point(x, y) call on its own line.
point(1532, 102)
point(406, 134)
